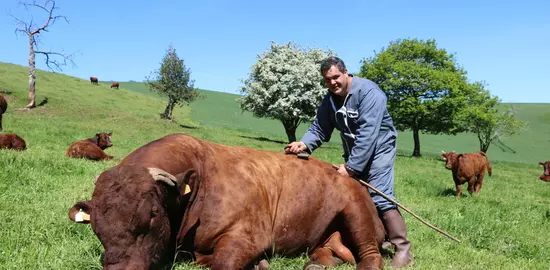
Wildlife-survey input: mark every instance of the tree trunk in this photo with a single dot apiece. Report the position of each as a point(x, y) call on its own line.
point(169, 109)
point(290, 128)
point(483, 146)
point(32, 76)
point(416, 151)
point(290, 134)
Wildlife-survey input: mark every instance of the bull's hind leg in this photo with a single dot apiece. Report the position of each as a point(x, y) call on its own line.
point(363, 234)
point(471, 183)
point(234, 252)
point(332, 253)
point(479, 181)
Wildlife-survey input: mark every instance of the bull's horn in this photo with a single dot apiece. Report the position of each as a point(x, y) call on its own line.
point(443, 151)
point(162, 175)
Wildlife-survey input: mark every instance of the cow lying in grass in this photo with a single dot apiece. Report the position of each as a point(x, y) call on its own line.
point(12, 141)
point(91, 148)
point(468, 167)
point(229, 207)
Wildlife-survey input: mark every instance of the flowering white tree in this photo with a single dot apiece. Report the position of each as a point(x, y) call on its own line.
point(285, 84)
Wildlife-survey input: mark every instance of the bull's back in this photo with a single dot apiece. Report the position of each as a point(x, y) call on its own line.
point(173, 153)
point(288, 199)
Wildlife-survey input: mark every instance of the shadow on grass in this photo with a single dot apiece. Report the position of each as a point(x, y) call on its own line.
point(43, 102)
point(262, 139)
point(182, 125)
point(448, 192)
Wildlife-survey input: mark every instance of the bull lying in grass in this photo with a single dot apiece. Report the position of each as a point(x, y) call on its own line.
point(243, 205)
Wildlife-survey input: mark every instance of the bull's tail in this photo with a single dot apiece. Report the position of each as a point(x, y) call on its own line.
point(489, 168)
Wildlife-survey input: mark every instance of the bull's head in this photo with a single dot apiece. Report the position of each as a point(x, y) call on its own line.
point(450, 158)
point(135, 212)
point(104, 140)
point(546, 175)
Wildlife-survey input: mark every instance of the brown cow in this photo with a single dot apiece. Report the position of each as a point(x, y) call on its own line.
point(94, 80)
point(3, 108)
point(468, 167)
point(546, 175)
point(91, 148)
point(115, 85)
point(244, 203)
point(12, 141)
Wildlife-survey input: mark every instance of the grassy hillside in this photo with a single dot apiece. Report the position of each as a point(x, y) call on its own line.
point(221, 110)
point(507, 226)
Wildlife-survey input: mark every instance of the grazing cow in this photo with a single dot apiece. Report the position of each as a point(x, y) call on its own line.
point(94, 80)
point(115, 85)
point(243, 204)
point(3, 108)
point(546, 175)
point(468, 167)
point(91, 148)
point(12, 141)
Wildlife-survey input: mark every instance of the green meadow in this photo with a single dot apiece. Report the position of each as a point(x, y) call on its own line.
point(505, 226)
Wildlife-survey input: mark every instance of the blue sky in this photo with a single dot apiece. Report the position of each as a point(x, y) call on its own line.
point(505, 43)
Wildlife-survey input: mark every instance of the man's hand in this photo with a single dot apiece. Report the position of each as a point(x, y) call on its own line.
point(295, 147)
point(343, 171)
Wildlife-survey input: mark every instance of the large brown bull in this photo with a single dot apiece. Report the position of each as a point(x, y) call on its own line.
point(94, 80)
point(243, 204)
point(468, 167)
point(12, 141)
point(3, 108)
point(91, 148)
point(115, 85)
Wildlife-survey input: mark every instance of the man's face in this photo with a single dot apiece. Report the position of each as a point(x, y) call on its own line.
point(336, 81)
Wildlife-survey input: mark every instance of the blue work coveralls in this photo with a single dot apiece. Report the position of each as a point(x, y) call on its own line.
point(368, 136)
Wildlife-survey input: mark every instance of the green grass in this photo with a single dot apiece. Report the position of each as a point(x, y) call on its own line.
point(506, 227)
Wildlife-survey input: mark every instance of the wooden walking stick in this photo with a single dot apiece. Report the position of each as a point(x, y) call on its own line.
point(403, 207)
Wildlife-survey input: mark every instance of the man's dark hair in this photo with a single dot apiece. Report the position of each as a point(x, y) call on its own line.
point(332, 61)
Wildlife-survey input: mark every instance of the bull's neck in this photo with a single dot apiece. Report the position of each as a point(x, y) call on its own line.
point(93, 140)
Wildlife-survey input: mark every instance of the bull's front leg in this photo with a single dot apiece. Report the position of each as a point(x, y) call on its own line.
point(235, 251)
point(458, 190)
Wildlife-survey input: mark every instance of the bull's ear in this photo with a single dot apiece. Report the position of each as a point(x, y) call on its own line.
point(185, 180)
point(180, 181)
point(541, 164)
point(80, 212)
point(443, 157)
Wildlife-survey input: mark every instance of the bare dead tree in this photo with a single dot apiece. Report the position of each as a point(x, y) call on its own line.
point(54, 60)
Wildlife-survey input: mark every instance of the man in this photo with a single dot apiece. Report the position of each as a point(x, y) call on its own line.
point(357, 108)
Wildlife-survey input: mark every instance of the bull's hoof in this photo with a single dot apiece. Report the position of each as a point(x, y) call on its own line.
point(263, 265)
point(313, 265)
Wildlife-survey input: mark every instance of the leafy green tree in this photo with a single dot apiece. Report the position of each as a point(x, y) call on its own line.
point(424, 85)
point(285, 84)
point(483, 118)
point(172, 80)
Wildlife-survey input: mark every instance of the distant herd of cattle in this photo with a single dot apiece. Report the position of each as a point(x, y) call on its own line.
point(229, 207)
point(94, 80)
